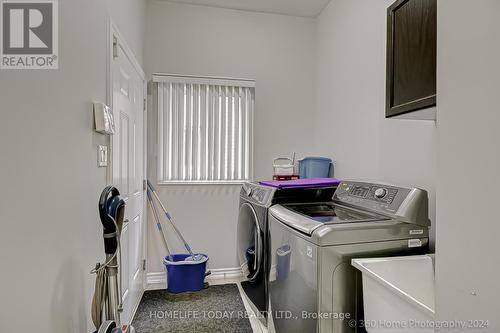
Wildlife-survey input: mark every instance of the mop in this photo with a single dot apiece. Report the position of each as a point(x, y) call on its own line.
point(192, 256)
point(157, 219)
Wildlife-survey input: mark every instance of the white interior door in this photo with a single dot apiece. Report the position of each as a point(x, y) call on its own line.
point(128, 167)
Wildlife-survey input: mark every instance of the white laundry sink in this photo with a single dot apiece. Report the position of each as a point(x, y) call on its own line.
point(398, 294)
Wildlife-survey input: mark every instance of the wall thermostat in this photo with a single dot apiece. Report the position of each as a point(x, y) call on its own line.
point(103, 119)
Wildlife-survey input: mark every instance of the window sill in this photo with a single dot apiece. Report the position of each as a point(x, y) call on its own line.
point(202, 182)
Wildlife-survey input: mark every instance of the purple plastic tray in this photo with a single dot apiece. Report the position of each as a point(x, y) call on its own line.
point(301, 183)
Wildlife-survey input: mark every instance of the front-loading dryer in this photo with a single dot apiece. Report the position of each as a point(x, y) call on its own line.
point(253, 235)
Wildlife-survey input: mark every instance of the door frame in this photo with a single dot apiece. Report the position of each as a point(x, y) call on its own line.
point(113, 33)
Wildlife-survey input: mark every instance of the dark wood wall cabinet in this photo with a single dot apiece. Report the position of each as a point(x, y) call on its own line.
point(411, 56)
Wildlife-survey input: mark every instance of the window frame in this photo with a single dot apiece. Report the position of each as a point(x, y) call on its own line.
point(207, 80)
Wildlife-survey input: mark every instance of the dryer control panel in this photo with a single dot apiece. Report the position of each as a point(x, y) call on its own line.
point(407, 204)
point(268, 196)
point(261, 195)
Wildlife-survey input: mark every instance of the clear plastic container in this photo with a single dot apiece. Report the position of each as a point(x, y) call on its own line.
point(283, 166)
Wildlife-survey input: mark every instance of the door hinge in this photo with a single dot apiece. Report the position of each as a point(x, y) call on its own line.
point(144, 184)
point(151, 87)
point(144, 105)
point(143, 264)
point(116, 51)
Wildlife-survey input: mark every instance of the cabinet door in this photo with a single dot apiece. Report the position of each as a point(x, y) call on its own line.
point(411, 56)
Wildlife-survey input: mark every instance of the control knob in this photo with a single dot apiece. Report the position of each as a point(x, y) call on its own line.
point(249, 191)
point(380, 193)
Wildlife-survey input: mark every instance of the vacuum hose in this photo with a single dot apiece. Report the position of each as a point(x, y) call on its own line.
point(107, 295)
point(111, 212)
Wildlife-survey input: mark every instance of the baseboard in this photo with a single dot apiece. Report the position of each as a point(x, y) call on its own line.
point(217, 274)
point(225, 274)
point(155, 278)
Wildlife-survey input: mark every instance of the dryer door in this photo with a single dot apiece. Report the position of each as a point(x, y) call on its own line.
point(250, 246)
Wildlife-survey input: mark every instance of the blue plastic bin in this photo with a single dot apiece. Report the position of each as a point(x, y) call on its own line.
point(185, 275)
point(315, 167)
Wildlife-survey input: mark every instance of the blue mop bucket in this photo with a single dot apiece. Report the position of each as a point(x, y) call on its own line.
point(185, 275)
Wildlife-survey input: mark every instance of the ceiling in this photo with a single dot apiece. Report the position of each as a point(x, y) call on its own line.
point(306, 8)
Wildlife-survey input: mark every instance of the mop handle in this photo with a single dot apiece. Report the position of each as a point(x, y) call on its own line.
point(157, 219)
point(170, 219)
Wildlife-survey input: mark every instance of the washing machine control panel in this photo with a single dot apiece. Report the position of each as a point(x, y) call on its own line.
point(403, 203)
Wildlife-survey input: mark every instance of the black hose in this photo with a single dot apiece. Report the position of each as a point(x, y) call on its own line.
point(111, 206)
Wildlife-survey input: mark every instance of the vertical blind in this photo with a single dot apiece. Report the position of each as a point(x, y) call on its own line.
point(204, 129)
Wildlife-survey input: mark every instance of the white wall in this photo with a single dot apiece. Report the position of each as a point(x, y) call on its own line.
point(350, 123)
point(467, 245)
point(50, 184)
point(129, 16)
point(278, 52)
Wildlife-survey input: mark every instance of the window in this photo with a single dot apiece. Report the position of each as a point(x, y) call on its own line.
point(204, 129)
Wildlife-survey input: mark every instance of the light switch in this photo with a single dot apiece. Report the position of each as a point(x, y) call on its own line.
point(102, 156)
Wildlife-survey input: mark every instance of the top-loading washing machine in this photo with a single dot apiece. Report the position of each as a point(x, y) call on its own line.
point(253, 234)
point(312, 285)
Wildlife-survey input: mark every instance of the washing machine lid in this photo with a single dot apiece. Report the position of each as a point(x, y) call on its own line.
point(330, 213)
point(308, 217)
point(350, 226)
